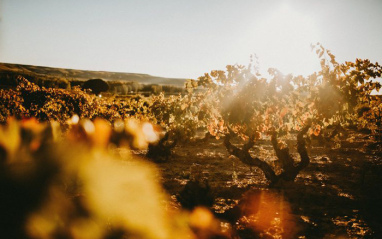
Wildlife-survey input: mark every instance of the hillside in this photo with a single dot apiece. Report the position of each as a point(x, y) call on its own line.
point(85, 75)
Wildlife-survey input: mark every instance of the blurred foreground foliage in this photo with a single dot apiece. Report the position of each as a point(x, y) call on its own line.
point(76, 184)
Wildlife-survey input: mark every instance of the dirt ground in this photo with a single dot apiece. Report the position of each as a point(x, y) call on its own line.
point(339, 195)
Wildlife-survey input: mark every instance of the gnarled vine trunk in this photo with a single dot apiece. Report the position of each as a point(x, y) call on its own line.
point(290, 169)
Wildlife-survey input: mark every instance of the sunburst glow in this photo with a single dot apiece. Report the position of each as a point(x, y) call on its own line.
point(283, 41)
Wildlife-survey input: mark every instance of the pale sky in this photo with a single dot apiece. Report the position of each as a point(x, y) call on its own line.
point(179, 38)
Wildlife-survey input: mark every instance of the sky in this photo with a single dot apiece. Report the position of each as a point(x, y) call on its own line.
point(186, 38)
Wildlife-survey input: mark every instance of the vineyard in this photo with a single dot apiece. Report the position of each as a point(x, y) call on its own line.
point(234, 155)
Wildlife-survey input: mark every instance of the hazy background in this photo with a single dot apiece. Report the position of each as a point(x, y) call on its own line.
point(179, 38)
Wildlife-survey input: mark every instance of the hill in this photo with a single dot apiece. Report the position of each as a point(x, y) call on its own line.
point(82, 75)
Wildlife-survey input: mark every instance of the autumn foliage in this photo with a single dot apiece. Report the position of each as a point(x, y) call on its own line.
point(66, 165)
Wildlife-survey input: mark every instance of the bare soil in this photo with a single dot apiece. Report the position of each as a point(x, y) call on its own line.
point(339, 195)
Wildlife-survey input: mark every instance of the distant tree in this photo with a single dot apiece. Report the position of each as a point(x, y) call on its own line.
point(156, 89)
point(74, 83)
point(96, 85)
point(124, 89)
point(63, 84)
point(48, 83)
point(136, 86)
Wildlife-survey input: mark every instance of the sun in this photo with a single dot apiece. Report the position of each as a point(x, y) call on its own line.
point(282, 40)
